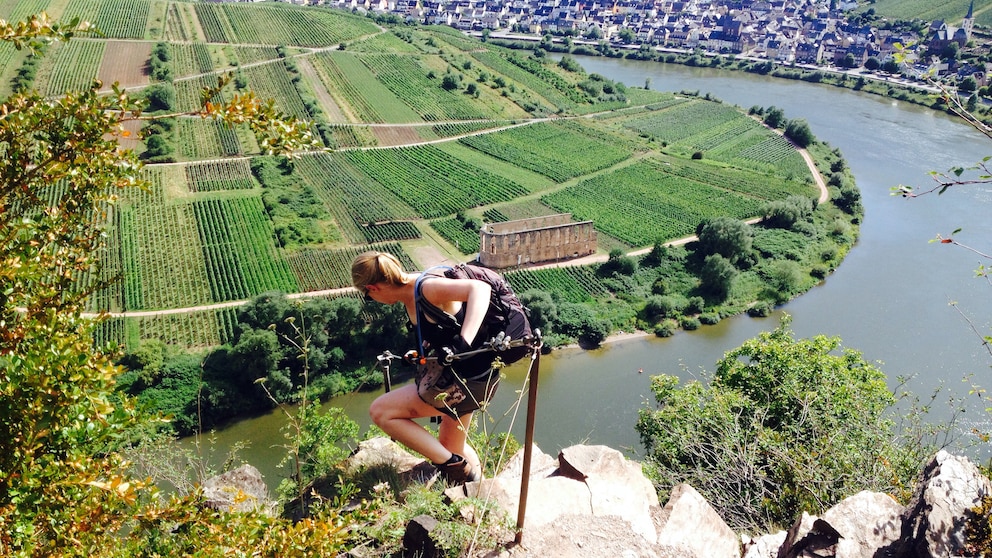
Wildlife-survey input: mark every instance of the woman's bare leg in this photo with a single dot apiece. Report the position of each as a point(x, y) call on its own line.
point(453, 435)
point(394, 412)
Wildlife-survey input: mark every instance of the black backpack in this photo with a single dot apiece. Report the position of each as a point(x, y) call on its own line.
point(505, 315)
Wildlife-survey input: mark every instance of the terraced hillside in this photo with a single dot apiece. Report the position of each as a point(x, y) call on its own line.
point(421, 127)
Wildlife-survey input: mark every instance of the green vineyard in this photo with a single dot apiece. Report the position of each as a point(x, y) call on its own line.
point(426, 130)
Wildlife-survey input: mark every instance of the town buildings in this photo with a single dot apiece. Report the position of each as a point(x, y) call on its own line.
point(785, 31)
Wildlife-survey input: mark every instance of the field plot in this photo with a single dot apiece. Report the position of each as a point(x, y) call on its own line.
point(8, 67)
point(454, 231)
point(395, 135)
point(572, 284)
point(272, 81)
point(206, 328)
point(189, 92)
point(71, 66)
point(357, 91)
point(762, 150)
point(457, 39)
point(130, 137)
point(216, 176)
point(559, 150)
point(351, 136)
point(180, 23)
point(157, 177)
point(274, 24)
point(205, 139)
point(351, 196)
point(754, 184)
point(19, 10)
point(241, 259)
point(162, 258)
point(497, 62)
point(406, 77)
point(434, 183)
point(190, 59)
point(252, 54)
point(952, 11)
point(642, 203)
point(680, 122)
point(384, 42)
point(530, 180)
point(116, 19)
point(125, 63)
point(319, 269)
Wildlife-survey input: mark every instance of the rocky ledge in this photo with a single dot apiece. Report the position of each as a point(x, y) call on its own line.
point(592, 502)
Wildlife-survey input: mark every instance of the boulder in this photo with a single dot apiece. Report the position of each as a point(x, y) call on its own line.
point(418, 539)
point(383, 452)
point(810, 537)
point(594, 481)
point(690, 524)
point(765, 546)
point(867, 522)
point(933, 522)
point(239, 490)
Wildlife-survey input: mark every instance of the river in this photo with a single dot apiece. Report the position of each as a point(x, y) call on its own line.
point(889, 299)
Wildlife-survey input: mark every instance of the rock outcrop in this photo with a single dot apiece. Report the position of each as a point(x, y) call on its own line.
point(591, 502)
point(239, 490)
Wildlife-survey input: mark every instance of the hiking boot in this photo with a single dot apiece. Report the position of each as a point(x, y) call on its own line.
point(458, 470)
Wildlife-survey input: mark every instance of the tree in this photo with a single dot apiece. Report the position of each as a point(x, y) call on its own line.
point(891, 66)
point(774, 117)
point(627, 36)
point(63, 485)
point(784, 426)
point(451, 81)
point(872, 64)
point(570, 64)
point(161, 96)
point(717, 276)
point(729, 237)
point(542, 309)
point(618, 262)
point(783, 214)
point(968, 85)
point(799, 132)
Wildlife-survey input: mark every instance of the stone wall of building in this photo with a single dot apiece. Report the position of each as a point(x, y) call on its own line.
point(532, 241)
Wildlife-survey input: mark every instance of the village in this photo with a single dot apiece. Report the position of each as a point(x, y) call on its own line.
point(793, 32)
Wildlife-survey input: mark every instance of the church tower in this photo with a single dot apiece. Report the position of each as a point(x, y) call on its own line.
point(969, 21)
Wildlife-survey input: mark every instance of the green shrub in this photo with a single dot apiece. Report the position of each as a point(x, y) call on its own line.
point(784, 426)
point(709, 318)
point(689, 323)
point(666, 328)
point(761, 309)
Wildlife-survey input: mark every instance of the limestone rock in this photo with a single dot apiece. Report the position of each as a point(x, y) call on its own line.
point(810, 537)
point(689, 523)
point(380, 452)
point(867, 522)
point(418, 540)
point(594, 481)
point(238, 490)
point(933, 522)
point(765, 546)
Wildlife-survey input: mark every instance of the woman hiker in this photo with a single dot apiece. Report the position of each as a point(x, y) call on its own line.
point(450, 316)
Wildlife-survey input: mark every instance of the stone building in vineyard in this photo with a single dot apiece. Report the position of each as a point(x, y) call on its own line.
point(545, 239)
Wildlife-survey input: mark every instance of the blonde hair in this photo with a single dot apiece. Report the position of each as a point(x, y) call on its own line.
point(376, 267)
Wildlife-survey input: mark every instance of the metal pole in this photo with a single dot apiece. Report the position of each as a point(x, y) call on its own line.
point(528, 444)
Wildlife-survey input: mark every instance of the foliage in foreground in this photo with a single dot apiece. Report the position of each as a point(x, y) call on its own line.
point(785, 426)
